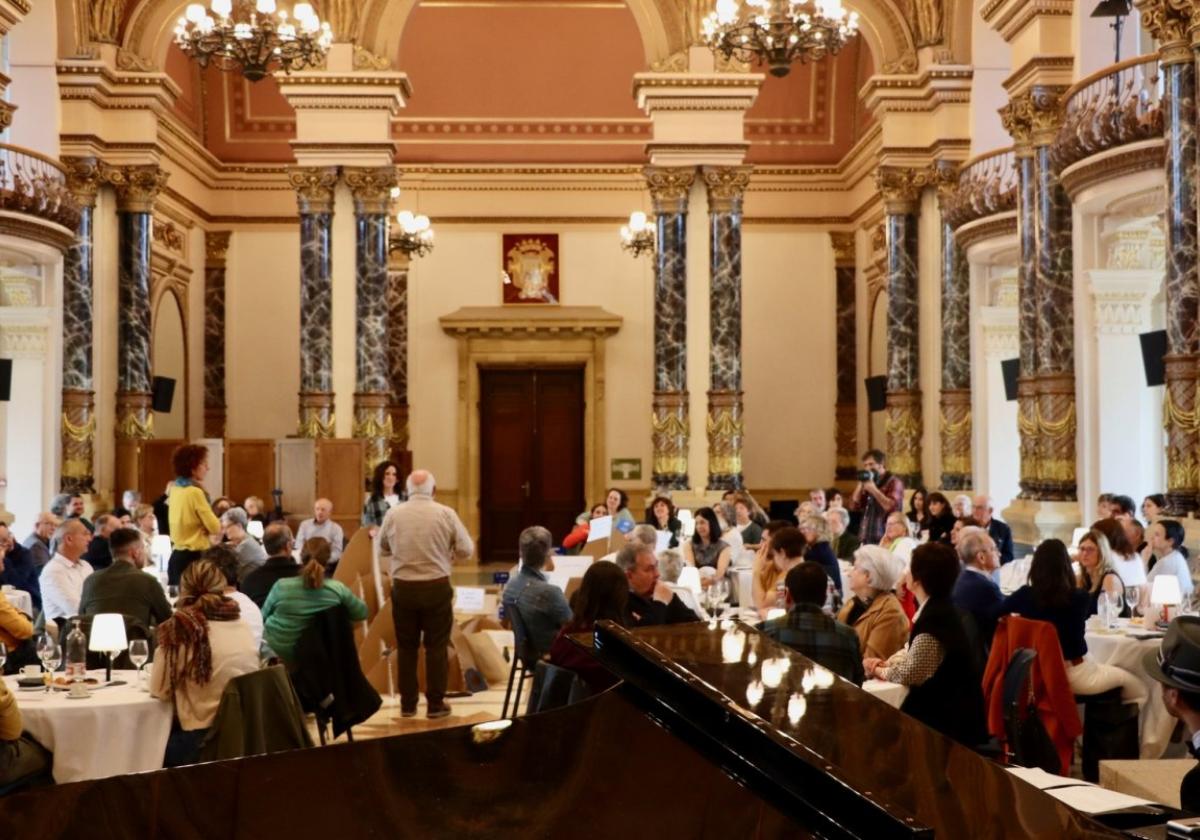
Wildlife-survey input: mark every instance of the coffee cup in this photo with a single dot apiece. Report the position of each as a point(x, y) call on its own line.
point(8, 587)
point(31, 671)
point(79, 689)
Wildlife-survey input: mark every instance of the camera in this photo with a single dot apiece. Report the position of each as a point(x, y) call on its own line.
point(866, 475)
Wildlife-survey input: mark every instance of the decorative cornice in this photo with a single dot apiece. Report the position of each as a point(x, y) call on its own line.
point(726, 185)
point(901, 188)
point(1169, 22)
point(990, 227)
point(1122, 298)
point(216, 247)
point(670, 187)
point(137, 185)
point(548, 322)
point(1009, 17)
point(1040, 70)
point(843, 247)
point(314, 186)
point(22, 226)
point(24, 341)
point(371, 187)
point(1113, 163)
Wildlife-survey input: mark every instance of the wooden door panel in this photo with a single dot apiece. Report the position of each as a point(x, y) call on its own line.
point(249, 469)
point(558, 468)
point(506, 398)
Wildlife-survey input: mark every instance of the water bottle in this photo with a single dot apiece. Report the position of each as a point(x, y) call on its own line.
point(76, 652)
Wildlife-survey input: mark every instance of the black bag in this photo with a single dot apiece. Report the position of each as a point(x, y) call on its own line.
point(1031, 744)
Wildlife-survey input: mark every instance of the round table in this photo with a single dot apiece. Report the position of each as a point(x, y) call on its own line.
point(1124, 651)
point(118, 730)
point(21, 600)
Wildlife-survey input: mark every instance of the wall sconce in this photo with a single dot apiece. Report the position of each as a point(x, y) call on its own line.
point(637, 237)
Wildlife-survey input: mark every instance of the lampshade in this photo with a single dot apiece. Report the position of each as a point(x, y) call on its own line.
point(255, 529)
point(160, 547)
point(108, 633)
point(1166, 591)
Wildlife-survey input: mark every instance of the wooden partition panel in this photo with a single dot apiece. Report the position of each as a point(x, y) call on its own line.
point(155, 468)
point(340, 479)
point(250, 469)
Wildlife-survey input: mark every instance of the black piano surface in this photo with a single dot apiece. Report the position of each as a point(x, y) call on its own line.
point(673, 752)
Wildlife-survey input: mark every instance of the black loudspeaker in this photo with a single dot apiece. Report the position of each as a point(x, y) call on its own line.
point(876, 392)
point(163, 394)
point(1154, 347)
point(5, 380)
point(1011, 368)
point(784, 509)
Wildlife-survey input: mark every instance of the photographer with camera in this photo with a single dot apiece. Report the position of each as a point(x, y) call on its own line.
point(877, 494)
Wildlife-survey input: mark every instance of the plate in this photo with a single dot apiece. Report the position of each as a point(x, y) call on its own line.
point(31, 682)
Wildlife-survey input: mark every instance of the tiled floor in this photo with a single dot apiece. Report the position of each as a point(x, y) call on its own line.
point(486, 705)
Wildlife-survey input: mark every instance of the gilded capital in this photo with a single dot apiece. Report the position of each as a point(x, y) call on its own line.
point(6, 114)
point(944, 174)
point(1016, 117)
point(314, 186)
point(901, 188)
point(84, 178)
point(843, 247)
point(371, 187)
point(216, 245)
point(726, 185)
point(1047, 113)
point(1169, 21)
point(137, 186)
point(670, 187)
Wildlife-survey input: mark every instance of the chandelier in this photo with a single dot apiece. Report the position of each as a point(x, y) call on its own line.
point(778, 32)
point(253, 40)
point(415, 236)
point(637, 237)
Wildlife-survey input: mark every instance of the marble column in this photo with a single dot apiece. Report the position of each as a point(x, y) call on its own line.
point(955, 398)
point(1056, 307)
point(846, 343)
point(901, 190)
point(669, 191)
point(371, 188)
point(314, 188)
point(137, 188)
point(725, 186)
point(78, 433)
point(216, 245)
point(1016, 118)
point(397, 343)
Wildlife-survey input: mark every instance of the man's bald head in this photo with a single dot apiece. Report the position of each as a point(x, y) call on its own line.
point(322, 509)
point(420, 483)
point(73, 539)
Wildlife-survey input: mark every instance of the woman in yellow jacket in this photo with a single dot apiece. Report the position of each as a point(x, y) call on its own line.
point(194, 526)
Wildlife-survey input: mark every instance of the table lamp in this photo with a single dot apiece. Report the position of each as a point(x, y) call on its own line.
point(108, 636)
point(1166, 593)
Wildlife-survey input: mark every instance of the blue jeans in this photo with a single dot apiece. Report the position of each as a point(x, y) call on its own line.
point(183, 746)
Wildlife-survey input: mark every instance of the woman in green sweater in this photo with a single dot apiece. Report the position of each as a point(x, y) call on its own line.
point(294, 601)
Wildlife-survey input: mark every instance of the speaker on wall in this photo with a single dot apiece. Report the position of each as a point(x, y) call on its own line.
point(163, 394)
point(876, 392)
point(1011, 368)
point(5, 380)
point(1154, 347)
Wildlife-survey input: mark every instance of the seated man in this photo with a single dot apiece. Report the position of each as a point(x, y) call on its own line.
point(277, 540)
point(1176, 664)
point(62, 578)
point(542, 605)
point(38, 541)
point(18, 568)
point(22, 759)
point(123, 587)
point(99, 553)
point(322, 526)
point(249, 551)
point(975, 592)
point(651, 601)
point(843, 541)
point(809, 631)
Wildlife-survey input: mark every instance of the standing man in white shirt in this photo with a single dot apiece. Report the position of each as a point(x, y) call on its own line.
point(322, 526)
point(418, 542)
point(62, 578)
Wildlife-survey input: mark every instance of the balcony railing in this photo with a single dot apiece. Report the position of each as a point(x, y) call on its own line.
point(987, 185)
point(1118, 105)
point(36, 185)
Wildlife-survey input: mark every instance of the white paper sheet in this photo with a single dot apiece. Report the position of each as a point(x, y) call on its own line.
point(600, 528)
point(468, 598)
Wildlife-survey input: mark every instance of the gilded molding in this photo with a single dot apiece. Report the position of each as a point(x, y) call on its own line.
point(901, 188)
point(371, 187)
point(1046, 113)
point(6, 114)
point(137, 186)
point(1017, 119)
point(216, 246)
point(987, 227)
point(1143, 156)
point(944, 174)
point(314, 186)
point(84, 178)
point(843, 247)
point(670, 187)
point(726, 185)
point(1169, 22)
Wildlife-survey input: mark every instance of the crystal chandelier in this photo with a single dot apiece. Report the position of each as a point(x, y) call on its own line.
point(415, 235)
point(778, 32)
point(637, 237)
point(253, 40)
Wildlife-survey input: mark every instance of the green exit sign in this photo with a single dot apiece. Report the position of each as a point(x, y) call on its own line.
point(626, 469)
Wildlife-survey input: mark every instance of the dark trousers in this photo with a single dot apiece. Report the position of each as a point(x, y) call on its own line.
point(422, 609)
point(183, 746)
point(22, 761)
point(181, 558)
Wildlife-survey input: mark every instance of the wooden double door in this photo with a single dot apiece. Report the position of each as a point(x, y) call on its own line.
point(531, 455)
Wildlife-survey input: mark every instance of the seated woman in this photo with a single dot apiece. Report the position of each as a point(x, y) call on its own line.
point(662, 516)
point(602, 595)
point(941, 518)
point(766, 576)
point(22, 759)
point(706, 548)
point(874, 612)
point(201, 647)
point(1096, 572)
point(1123, 555)
point(818, 549)
point(918, 510)
point(578, 537)
point(785, 551)
point(750, 530)
point(937, 664)
point(1051, 595)
point(616, 505)
point(293, 601)
point(896, 537)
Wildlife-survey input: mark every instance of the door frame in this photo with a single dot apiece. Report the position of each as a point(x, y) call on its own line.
point(529, 337)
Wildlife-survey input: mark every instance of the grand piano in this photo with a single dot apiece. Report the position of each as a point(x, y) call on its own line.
point(715, 731)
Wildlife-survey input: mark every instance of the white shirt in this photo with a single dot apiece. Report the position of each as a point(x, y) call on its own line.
point(329, 530)
point(251, 614)
point(61, 582)
point(1130, 569)
point(1172, 564)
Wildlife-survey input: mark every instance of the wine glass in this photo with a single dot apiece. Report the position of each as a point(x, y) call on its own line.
point(718, 592)
point(1114, 603)
point(1133, 597)
point(139, 654)
point(51, 655)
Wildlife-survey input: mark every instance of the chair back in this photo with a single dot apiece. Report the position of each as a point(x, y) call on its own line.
point(259, 713)
point(1028, 741)
point(522, 643)
point(555, 687)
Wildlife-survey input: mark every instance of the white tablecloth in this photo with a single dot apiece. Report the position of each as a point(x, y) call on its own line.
point(891, 693)
point(116, 731)
point(20, 599)
point(1125, 652)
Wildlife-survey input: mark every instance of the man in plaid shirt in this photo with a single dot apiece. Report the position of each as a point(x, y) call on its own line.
point(809, 631)
point(876, 496)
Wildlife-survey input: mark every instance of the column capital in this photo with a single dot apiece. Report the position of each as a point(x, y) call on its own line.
point(398, 259)
point(670, 187)
point(726, 185)
point(944, 174)
point(1017, 119)
point(843, 247)
point(371, 187)
point(901, 188)
point(314, 186)
point(216, 245)
point(1046, 114)
point(137, 185)
point(1170, 22)
point(85, 176)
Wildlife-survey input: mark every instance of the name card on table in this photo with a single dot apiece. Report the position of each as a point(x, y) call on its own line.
point(600, 528)
point(468, 599)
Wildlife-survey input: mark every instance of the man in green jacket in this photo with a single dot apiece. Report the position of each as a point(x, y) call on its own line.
point(123, 587)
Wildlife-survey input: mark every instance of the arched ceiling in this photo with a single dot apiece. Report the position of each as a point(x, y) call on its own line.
point(531, 81)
